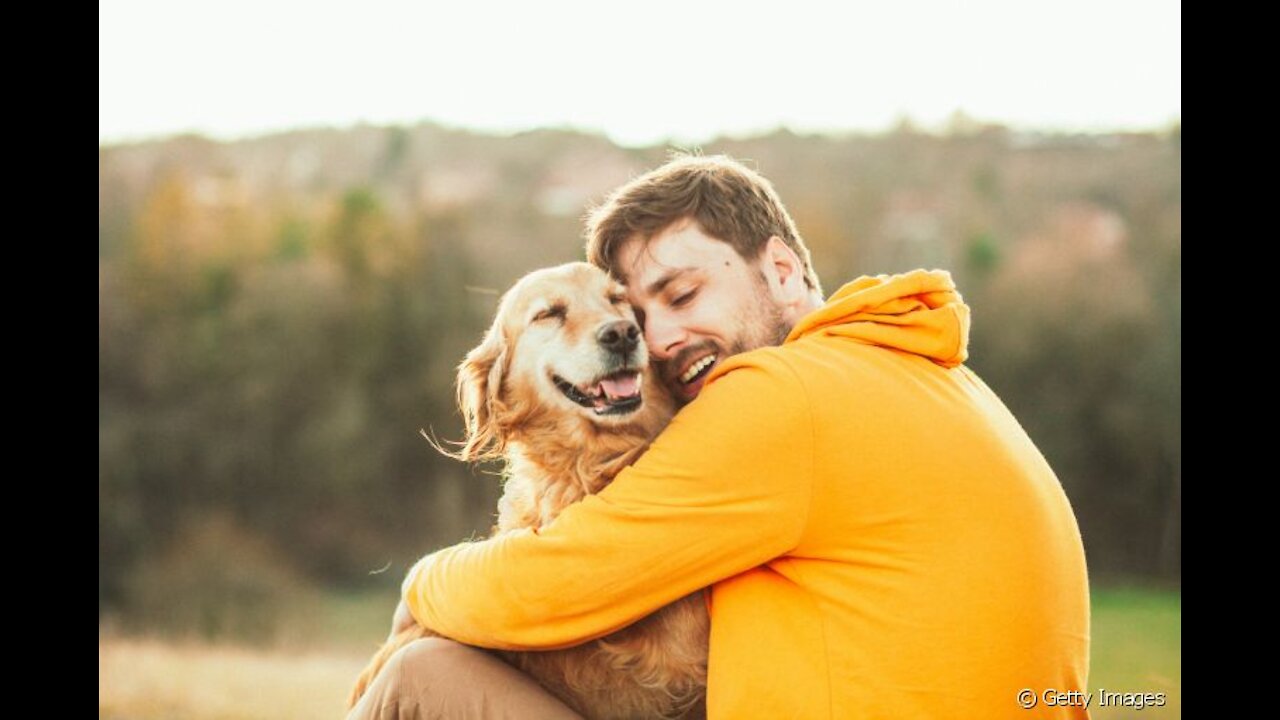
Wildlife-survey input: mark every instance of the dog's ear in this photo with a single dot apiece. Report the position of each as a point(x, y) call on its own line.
point(479, 398)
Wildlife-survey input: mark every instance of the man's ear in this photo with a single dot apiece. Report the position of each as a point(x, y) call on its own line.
point(784, 272)
point(479, 397)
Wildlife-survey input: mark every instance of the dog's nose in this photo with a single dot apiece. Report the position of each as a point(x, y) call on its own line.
point(620, 337)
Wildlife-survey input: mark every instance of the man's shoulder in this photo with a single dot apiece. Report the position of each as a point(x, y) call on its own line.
point(773, 365)
point(771, 387)
point(813, 376)
point(809, 362)
point(751, 397)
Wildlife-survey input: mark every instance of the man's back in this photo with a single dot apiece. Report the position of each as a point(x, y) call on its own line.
point(939, 571)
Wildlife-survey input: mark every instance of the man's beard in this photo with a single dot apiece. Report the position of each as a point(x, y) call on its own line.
point(765, 327)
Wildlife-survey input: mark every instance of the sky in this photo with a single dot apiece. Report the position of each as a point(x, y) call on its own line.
point(640, 72)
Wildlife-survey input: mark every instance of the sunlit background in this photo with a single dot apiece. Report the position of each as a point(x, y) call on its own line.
point(305, 211)
point(640, 73)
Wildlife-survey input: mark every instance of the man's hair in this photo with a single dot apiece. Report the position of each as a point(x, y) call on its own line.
point(729, 202)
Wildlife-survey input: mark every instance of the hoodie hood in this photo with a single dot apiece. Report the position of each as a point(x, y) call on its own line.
point(919, 312)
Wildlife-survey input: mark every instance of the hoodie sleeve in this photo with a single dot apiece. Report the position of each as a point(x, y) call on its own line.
point(725, 488)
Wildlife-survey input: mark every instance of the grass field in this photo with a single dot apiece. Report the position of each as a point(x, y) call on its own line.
point(1137, 647)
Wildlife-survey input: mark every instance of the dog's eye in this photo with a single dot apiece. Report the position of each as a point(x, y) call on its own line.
point(555, 311)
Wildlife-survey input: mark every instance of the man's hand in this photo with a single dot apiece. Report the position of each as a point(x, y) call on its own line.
point(402, 621)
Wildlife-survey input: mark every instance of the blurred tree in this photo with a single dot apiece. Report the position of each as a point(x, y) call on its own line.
point(278, 318)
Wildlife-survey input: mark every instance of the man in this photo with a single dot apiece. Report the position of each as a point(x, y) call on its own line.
point(880, 536)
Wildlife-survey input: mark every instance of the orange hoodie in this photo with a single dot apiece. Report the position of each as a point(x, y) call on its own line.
point(881, 537)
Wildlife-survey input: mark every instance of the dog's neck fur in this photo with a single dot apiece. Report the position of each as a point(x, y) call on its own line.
point(547, 470)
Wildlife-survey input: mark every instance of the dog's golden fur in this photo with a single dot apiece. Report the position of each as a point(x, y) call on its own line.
point(552, 331)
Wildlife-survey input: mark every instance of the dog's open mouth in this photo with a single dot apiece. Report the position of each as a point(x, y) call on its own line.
point(614, 394)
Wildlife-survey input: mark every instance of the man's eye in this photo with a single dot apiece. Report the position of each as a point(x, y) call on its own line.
point(555, 311)
point(683, 299)
point(617, 299)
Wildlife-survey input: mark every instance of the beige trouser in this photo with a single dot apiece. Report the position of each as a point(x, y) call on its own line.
point(436, 678)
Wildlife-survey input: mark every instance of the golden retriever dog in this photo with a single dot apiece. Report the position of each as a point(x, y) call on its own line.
point(560, 389)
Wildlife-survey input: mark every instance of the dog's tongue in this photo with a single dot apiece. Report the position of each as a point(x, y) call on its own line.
point(621, 386)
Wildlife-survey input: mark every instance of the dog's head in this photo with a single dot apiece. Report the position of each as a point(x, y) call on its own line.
point(564, 351)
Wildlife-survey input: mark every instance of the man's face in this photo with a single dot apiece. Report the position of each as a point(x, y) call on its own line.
point(699, 302)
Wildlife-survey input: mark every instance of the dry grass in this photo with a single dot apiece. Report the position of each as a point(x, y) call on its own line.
point(1137, 646)
point(149, 679)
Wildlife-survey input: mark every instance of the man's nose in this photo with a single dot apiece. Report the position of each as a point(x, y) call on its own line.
point(663, 338)
point(620, 336)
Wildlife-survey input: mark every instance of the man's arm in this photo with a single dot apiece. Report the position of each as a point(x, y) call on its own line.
point(725, 488)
